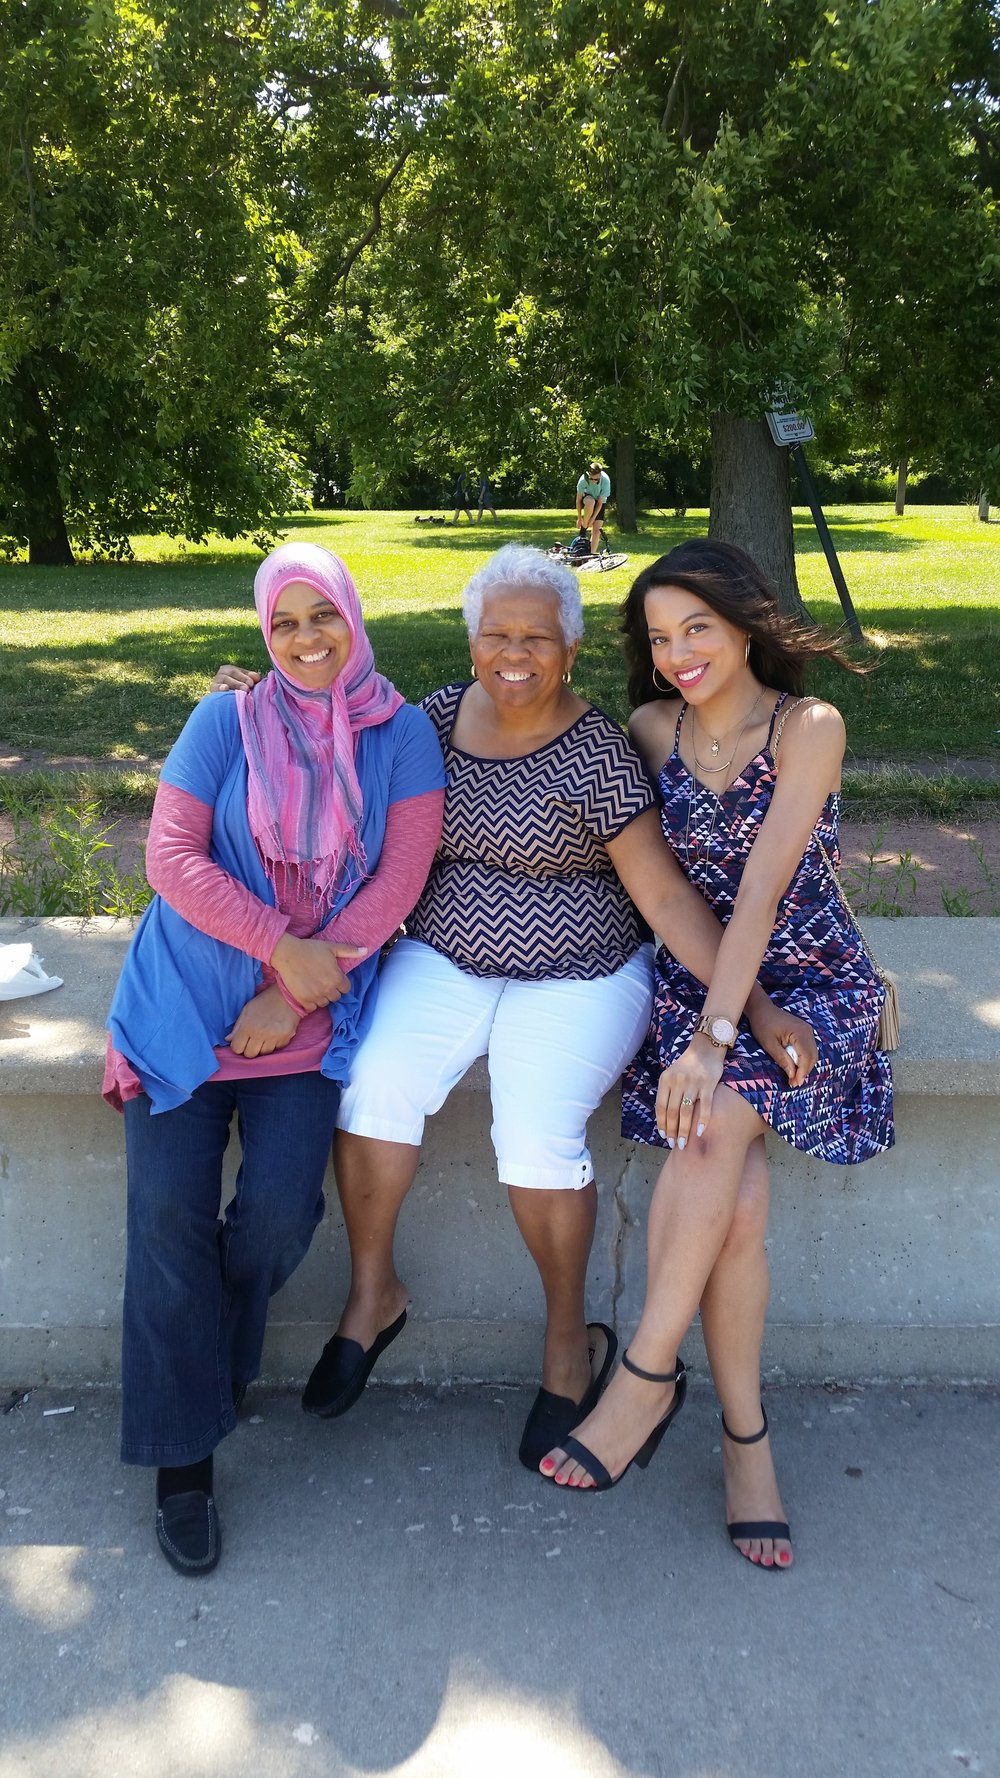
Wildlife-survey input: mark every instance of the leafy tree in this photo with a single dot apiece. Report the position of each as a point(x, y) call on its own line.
point(140, 281)
point(642, 219)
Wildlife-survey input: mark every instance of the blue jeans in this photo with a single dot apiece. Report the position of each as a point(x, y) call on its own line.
point(197, 1288)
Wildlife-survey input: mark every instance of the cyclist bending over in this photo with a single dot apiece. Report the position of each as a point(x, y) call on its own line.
point(593, 491)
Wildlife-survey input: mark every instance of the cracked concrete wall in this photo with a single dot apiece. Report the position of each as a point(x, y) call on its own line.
point(888, 1270)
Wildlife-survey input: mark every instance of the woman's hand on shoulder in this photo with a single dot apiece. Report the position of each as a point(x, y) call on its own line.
point(230, 678)
point(651, 730)
point(266, 1024)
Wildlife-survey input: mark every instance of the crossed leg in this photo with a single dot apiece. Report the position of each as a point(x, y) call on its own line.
point(690, 1217)
point(733, 1308)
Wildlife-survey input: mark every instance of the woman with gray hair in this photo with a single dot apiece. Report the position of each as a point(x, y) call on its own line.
point(524, 947)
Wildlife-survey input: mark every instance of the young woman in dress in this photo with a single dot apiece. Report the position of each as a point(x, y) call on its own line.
point(748, 773)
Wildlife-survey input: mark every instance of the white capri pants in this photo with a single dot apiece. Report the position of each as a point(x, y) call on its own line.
point(554, 1048)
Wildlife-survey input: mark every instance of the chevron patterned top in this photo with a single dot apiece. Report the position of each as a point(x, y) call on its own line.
point(522, 885)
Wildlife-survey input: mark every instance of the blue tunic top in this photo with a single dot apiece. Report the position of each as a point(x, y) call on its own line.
point(180, 991)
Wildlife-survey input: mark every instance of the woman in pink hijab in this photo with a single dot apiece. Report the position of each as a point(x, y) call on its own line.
point(293, 828)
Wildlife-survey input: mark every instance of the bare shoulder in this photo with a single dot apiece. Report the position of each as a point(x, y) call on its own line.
point(817, 719)
point(813, 737)
point(651, 729)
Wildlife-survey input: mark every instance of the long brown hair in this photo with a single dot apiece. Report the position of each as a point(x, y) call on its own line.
point(731, 584)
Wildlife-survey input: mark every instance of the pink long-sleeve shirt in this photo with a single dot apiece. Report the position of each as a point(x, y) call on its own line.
point(179, 867)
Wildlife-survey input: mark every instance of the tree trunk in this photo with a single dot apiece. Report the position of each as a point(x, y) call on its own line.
point(901, 487)
point(50, 547)
point(45, 521)
point(984, 507)
point(751, 501)
point(625, 509)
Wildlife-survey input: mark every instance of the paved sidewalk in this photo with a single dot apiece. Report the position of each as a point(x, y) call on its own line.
point(398, 1597)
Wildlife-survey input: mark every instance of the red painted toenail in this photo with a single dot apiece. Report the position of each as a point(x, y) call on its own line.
point(547, 1464)
point(784, 1557)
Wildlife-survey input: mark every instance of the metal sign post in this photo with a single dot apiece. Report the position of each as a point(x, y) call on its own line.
point(790, 431)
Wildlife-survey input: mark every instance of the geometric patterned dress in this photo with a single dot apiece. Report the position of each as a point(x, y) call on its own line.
point(814, 965)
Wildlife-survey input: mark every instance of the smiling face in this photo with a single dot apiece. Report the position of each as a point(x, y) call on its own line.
point(519, 651)
point(692, 646)
point(309, 639)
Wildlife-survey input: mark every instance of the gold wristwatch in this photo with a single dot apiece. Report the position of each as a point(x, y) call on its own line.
point(720, 1032)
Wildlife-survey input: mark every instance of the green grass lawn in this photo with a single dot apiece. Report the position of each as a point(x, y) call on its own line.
point(106, 660)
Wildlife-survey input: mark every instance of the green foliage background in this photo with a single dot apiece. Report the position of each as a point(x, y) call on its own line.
point(256, 243)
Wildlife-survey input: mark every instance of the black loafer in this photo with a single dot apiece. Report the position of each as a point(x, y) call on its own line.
point(342, 1370)
point(187, 1531)
point(552, 1417)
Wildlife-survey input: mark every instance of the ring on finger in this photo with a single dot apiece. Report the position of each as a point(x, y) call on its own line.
point(686, 1100)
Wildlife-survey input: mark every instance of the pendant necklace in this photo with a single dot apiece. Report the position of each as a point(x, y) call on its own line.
point(716, 770)
point(706, 850)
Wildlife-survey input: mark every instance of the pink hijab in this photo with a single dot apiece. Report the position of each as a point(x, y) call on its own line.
point(304, 801)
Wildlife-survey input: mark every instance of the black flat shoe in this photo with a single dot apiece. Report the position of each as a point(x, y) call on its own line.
point(743, 1529)
point(602, 1478)
point(342, 1370)
point(187, 1531)
point(551, 1417)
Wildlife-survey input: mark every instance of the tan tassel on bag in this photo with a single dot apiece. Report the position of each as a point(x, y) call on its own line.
point(888, 1020)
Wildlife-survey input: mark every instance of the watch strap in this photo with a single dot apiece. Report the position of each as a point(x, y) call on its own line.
point(704, 1027)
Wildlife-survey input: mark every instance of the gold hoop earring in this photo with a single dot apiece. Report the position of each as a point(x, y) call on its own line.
point(671, 690)
point(475, 675)
point(746, 657)
point(567, 679)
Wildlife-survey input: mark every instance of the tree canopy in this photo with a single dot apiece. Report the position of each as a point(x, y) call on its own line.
point(141, 279)
point(643, 221)
point(447, 232)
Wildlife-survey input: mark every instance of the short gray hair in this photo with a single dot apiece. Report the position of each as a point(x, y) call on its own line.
point(522, 565)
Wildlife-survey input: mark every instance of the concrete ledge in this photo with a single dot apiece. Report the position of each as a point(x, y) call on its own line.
point(889, 1270)
point(948, 973)
point(452, 1353)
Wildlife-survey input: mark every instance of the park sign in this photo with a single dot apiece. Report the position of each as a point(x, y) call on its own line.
point(789, 428)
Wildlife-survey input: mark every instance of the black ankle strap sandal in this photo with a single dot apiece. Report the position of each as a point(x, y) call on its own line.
point(673, 1376)
point(579, 1453)
point(743, 1530)
point(752, 1438)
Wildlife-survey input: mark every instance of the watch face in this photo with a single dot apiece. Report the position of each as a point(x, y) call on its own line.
point(723, 1031)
